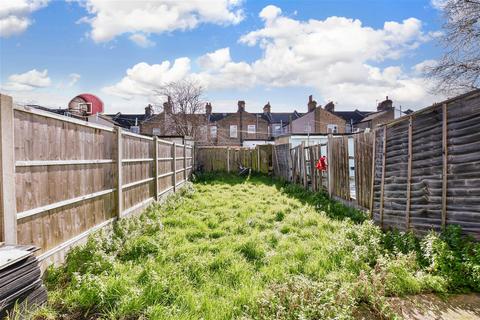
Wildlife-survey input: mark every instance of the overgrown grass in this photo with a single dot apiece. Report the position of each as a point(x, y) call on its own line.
point(253, 248)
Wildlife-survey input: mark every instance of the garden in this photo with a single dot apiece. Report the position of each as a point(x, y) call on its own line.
point(230, 247)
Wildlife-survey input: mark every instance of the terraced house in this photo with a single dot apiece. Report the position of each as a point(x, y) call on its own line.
point(240, 128)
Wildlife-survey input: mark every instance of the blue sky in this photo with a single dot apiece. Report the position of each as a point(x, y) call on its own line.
point(351, 52)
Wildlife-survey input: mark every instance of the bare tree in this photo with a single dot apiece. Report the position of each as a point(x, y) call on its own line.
point(184, 107)
point(459, 68)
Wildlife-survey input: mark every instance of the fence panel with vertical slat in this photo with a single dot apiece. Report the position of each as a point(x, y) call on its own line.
point(66, 177)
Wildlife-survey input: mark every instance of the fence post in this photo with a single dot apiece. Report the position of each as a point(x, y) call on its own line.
point(372, 187)
point(228, 159)
point(445, 164)
point(174, 165)
point(155, 165)
point(184, 161)
point(119, 173)
point(330, 161)
point(382, 185)
point(258, 159)
point(8, 207)
point(409, 172)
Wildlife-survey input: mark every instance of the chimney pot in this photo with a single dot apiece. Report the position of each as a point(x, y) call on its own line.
point(208, 108)
point(330, 107)
point(267, 108)
point(312, 104)
point(149, 110)
point(385, 105)
point(241, 105)
point(167, 106)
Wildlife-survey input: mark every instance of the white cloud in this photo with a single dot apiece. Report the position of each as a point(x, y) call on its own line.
point(141, 40)
point(438, 4)
point(28, 81)
point(215, 60)
point(336, 56)
point(421, 68)
point(14, 15)
point(74, 77)
point(109, 19)
point(270, 12)
point(143, 79)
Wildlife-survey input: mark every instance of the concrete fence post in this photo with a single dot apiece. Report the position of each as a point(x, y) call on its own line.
point(8, 207)
point(155, 166)
point(184, 161)
point(119, 172)
point(174, 166)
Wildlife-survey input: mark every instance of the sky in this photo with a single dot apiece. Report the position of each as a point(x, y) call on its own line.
point(354, 53)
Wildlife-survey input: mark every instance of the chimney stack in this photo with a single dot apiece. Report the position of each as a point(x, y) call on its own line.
point(149, 110)
point(267, 108)
point(312, 104)
point(241, 106)
point(208, 108)
point(385, 104)
point(167, 106)
point(330, 107)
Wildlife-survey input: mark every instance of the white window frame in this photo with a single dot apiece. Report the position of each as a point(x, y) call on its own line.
point(156, 131)
point(233, 131)
point(308, 128)
point(332, 128)
point(213, 132)
point(251, 129)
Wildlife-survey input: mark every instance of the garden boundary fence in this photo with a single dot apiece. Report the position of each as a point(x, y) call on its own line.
point(337, 180)
point(63, 178)
point(427, 168)
point(229, 159)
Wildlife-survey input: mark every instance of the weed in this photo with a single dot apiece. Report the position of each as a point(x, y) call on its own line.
point(253, 248)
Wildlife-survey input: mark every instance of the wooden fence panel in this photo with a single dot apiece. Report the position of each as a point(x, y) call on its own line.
point(282, 161)
point(363, 149)
point(213, 159)
point(50, 179)
point(440, 183)
point(338, 161)
point(377, 179)
point(138, 183)
point(67, 176)
point(463, 174)
point(427, 167)
point(396, 173)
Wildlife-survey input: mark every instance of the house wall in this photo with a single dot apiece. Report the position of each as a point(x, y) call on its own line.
point(323, 118)
point(241, 120)
point(299, 125)
point(382, 118)
point(158, 121)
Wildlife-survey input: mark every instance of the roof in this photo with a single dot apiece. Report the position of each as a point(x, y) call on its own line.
point(53, 110)
point(127, 120)
point(271, 117)
point(373, 115)
point(352, 116)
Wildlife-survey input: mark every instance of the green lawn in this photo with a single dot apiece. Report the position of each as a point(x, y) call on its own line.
point(252, 248)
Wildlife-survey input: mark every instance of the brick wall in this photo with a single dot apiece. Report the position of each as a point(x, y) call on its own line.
point(241, 120)
point(323, 118)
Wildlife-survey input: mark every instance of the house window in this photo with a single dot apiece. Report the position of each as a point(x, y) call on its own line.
point(233, 131)
point(251, 129)
point(135, 129)
point(203, 131)
point(308, 128)
point(156, 131)
point(213, 131)
point(332, 128)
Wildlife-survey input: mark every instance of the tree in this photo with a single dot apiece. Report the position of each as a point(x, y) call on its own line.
point(459, 68)
point(184, 107)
